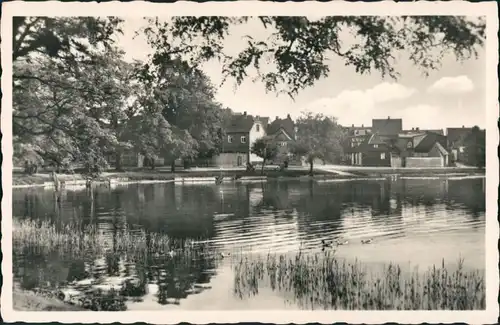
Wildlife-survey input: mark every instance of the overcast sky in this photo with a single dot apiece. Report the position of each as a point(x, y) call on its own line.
point(451, 97)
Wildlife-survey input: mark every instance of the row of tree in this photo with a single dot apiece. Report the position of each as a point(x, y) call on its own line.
point(75, 98)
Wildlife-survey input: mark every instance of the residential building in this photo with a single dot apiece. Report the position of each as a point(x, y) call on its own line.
point(424, 149)
point(355, 135)
point(373, 146)
point(284, 133)
point(387, 127)
point(391, 146)
point(240, 134)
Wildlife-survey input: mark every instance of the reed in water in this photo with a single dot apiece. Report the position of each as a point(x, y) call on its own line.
point(321, 281)
point(78, 240)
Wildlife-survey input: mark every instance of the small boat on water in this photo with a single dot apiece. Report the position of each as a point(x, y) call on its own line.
point(367, 241)
point(343, 242)
point(224, 255)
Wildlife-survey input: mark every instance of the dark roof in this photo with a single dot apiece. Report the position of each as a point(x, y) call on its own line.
point(426, 144)
point(286, 124)
point(456, 134)
point(387, 126)
point(243, 123)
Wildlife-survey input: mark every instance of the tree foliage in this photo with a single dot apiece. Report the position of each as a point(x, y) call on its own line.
point(265, 148)
point(318, 137)
point(475, 148)
point(299, 47)
point(187, 101)
point(77, 101)
point(69, 38)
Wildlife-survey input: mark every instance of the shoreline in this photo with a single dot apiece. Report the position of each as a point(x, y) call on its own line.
point(241, 176)
point(26, 300)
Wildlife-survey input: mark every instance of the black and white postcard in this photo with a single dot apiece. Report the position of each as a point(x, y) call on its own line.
point(250, 161)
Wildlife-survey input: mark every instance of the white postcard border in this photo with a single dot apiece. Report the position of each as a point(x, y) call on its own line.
point(251, 8)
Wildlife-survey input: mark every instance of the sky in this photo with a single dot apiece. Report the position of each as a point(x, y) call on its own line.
point(452, 96)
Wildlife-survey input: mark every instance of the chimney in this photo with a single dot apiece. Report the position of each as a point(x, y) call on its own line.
point(417, 129)
point(353, 125)
point(463, 126)
point(245, 113)
point(288, 116)
point(413, 129)
point(362, 125)
point(388, 117)
point(277, 117)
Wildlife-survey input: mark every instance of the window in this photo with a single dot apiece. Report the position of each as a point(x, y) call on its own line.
point(243, 139)
point(382, 156)
point(230, 138)
point(375, 146)
point(282, 144)
point(409, 145)
point(257, 127)
point(461, 149)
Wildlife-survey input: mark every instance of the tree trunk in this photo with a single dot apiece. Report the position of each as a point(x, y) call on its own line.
point(172, 166)
point(118, 161)
point(311, 165)
point(262, 169)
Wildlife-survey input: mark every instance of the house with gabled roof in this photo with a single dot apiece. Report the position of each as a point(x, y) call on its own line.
point(239, 135)
point(284, 133)
point(424, 149)
point(390, 145)
point(374, 146)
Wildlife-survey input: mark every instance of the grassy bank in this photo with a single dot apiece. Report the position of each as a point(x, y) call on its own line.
point(20, 179)
point(29, 301)
point(423, 172)
point(321, 281)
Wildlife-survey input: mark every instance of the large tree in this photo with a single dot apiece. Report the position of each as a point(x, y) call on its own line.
point(265, 148)
point(70, 113)
point(187, 100)
point(318, 137)
point(299, 47)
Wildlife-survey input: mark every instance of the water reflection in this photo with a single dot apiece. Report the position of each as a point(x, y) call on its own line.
point(415, 216)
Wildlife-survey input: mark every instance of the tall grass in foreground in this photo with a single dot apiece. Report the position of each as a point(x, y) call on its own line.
point(320, 281)
point(74, 240)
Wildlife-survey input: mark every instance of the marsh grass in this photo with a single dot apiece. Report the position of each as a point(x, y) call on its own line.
point(74, 239)
point(321, 281)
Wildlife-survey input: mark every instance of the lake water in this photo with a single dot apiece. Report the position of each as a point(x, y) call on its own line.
point(413, 222)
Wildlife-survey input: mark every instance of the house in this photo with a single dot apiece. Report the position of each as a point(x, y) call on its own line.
point(424, 149)
point(374, 146)
point(375, 150)
point(355, 135)
point(455, 145)
point(387, 127)
point(242, 131)
point(390, 146)
point(284, 133)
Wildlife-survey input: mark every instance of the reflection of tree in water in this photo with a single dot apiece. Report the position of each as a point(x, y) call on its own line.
point(469, 193)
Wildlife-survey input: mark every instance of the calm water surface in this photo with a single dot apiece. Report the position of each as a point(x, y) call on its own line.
point(413, 222)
